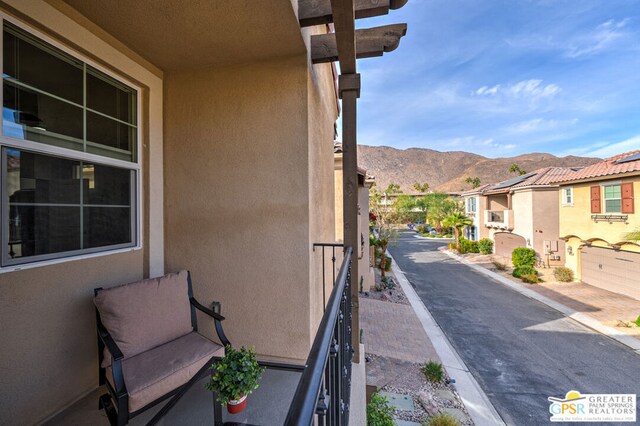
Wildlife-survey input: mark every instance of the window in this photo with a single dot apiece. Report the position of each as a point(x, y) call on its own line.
point(613, 198)
point(471, 233)
point(567, 196)
point(471, 205)
point(69, 154)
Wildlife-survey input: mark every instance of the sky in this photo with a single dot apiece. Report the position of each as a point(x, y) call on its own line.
point(507, 77)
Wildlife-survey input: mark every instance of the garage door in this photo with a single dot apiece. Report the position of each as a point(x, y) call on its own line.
point(617, 271)
point(506, 242)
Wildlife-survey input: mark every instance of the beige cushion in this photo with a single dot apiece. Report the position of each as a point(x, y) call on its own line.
point(142, 315)
point(156, 372)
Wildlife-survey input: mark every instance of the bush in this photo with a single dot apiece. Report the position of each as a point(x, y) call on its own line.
point(387, 266)
point(530, 278)
point(442, 419)
point(467, 246)
point(499, 265)
point(433, 371)
point(452, 246)
point(421, 229)
point(524, 270)
point(523, 257)
point(486, 246)
point(379, 412)
point(563, 274)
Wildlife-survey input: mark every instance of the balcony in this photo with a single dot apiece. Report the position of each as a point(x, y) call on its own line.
point(499, 219)
point(316, 392)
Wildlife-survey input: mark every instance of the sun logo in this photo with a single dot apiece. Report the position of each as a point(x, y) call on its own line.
point(569, 405)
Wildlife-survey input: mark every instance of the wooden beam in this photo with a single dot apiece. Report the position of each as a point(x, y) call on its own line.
point(318, 12)
point(345, 35)
point(370, 42)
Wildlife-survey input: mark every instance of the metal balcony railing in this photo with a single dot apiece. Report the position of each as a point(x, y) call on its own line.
point(323, 393)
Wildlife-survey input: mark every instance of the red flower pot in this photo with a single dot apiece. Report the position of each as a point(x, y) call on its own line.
point(236, 406)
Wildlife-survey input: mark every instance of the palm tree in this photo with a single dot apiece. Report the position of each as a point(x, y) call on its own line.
point(424, 187)
point(474, 182)
point(516, 169)
point(457, 221)
point(633, 236)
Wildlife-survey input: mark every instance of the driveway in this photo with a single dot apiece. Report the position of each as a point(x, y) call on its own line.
point(519, 350)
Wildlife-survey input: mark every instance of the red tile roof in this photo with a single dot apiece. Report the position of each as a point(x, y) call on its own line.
point(607, 167)
point(540, 177)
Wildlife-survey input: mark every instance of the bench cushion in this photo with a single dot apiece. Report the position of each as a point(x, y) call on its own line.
point(145, 314)
point(158, 371)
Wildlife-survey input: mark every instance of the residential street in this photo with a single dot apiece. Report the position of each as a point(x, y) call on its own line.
point(519, 350)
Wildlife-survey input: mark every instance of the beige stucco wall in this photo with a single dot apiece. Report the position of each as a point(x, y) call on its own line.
point(497, 202)
point(338, 191)
point(49, 356)
point(249, 180)
point(364, 262)
point(522, 207)
point(576, 222)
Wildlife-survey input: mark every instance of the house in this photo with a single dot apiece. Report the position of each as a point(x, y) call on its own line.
point(474, 207)
point(521, 212)
point(597, 210)
point(145, 137)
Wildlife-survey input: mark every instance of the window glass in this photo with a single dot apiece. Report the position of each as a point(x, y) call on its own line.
point(568, 196)
point(114, 139)
point(109, 97)
point(58, 205)
point(612, 197)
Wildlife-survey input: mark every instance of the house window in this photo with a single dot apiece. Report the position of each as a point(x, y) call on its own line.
point(69, 163)
point(471, 205)
point(612, 199)
point(567, 196)
point(471, 233)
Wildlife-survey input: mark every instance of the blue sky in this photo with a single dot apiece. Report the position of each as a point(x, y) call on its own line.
point(507, 77)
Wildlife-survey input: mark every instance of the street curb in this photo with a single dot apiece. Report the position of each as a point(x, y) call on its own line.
point(477, 403)
point(583, 319)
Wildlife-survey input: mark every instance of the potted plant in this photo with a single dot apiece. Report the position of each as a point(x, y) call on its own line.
point(235, 377)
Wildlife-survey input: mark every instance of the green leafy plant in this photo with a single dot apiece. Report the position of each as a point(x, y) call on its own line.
point(468, 246)
point(387, 265)
point(433, 371)
point(626, 324)
point(486, 246)
point(235, 375)
point(457, 221)
point(522, 256)
point(563, 274)
point(637, 321)
point(442, 419)
point(530, 278)
point(499, 265)
point(379, 412)
point(421, 229)
point(524, 270)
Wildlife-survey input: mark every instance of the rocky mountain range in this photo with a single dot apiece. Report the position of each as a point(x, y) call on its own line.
point(447, 171)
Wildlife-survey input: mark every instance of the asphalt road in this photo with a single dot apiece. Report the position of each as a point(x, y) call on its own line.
point(519, 350)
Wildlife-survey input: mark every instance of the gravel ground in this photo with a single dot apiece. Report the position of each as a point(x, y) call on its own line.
point(395, 295)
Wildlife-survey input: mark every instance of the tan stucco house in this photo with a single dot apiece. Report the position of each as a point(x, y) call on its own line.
point(598, 208)
point(140, 138)
point(521, 212)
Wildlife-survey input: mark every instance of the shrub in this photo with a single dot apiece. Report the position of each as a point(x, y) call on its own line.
point(530, 278)
point(523, 257)
point(499, 265)
point(236, 374)
point(637, 321)
point(442, 419)
point(433, 371)
point(387, 266)
point(563, 274)
point(379, 412)
point(373, 241)
point(467, 246)
point(452, 246)
point(524, 270)
point(421, 229)
point(486, 246)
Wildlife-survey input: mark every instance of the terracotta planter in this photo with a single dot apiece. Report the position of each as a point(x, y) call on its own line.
point(236, 406)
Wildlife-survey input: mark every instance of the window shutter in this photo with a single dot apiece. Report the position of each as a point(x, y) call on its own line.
point(627, 197)
point(596, 206)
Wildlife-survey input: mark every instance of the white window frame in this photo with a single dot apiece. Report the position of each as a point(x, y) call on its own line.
point(565, 201)
point(604, 196)
point(43, 148)
point(475, 205)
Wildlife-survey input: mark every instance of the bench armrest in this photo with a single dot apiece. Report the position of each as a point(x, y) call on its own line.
point(217, 318)
point(116, 360)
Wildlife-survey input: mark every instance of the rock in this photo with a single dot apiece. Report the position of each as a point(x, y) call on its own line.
point(427, 402)
point(384, 297)
point(445, 395)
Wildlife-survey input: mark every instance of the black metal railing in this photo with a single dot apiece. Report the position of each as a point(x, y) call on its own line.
point(326, 247)
point(324, 390)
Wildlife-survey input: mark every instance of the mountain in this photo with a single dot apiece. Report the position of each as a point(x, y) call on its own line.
point(447, 171)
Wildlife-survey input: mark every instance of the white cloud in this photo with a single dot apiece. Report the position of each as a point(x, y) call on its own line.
point(604, 36)
point(606, 149)
point(538, 125)
point(532, 89)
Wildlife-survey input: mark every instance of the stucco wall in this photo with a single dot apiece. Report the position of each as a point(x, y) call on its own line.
point(364, 268)
point(522, 206)
point(238, 196)
point(338, 191)
point(49, 356)
point(497, 202)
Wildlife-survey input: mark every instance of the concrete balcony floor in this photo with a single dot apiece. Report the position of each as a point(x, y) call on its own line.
point(267, 405)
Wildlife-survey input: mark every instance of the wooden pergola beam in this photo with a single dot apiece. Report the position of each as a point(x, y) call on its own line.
point(369, 43)
point(318, 12)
